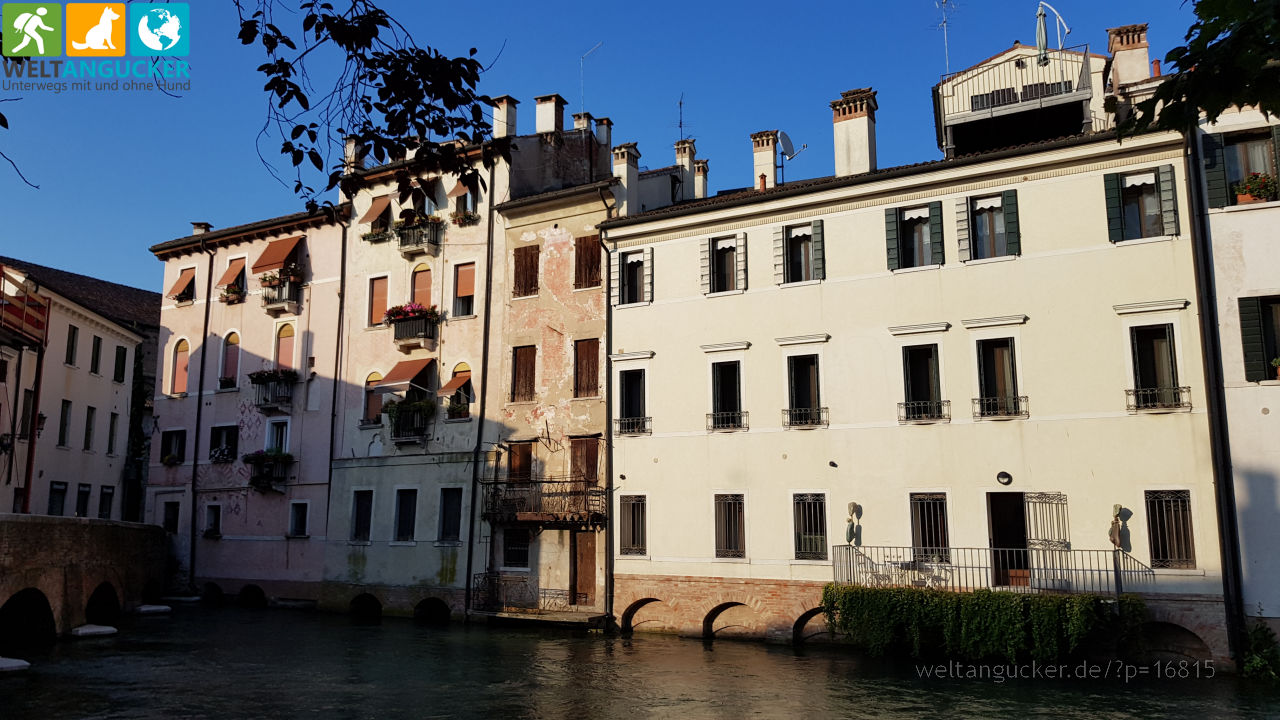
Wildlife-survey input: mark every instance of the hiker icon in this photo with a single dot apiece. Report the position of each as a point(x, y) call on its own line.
point(30, 24)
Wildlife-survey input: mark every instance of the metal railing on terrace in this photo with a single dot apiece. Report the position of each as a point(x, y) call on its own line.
point(633, 426)
point(1158, 398)
point(805, 417)
point(420, 237)
point(415, 328)
point(924, 411)
point(546, 501)
point(1035, 570)
point(1001, 406)
point(731, 420)
point(1015, 84)
point(288, 291)
point(499, 592)
point(410, 425)
point(274, 395)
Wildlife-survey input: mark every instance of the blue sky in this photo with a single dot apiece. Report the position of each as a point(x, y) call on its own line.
point(119, 172)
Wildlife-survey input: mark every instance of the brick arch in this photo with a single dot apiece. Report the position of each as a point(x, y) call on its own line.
point(797, 629)
point(103, 605)
point(27, 619)
point(628, 615)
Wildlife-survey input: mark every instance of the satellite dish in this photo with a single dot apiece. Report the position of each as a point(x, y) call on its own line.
point(787, 148)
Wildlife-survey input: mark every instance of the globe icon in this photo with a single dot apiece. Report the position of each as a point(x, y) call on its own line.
point(159, 29)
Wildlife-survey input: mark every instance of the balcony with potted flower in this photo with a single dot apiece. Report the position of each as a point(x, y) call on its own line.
point(420, 234)
point(282, 291)
point(232, 295)
point(409, 420)
point(414, 325)
point(273, 390)
point(1256, 188)
point(464, 218)
point(269, 469)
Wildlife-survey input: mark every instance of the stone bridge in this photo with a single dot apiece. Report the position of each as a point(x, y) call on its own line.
point(58, 573)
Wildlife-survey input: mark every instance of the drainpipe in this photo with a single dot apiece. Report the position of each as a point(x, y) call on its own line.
point(33, 432)
point(195, 444)
point(337, 371)
point(610, 623)
point(484, 383)
point(1219, 438)
point(15, 408)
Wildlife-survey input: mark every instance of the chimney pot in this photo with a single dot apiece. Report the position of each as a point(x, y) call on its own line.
point(582, 121)
point(504, 116)
point(626, 167)
point(685, 153)
point(550, 113)
point(200, 228)
point(1155, 68)
point(853, 120)
point(700, 178)
point(1129, 61)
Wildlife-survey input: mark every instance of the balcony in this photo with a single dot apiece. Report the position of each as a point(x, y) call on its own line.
point(727, 421)
point(1004, 407)
point(924, 412)
point(415, 332)
point(378, 236)
point(633, 426)
point(546, 502)
point(273, 391)
point(284, 297)
point(495, 592)
point(1159, 399)
point(1030, 570)
point(420, 238)
point(268, 471)
point(410, 421)
point(805, 418)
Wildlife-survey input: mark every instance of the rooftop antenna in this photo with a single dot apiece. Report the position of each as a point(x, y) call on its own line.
point(680, 117)
point(582, 83)
point(946, 7)
point(789, 152)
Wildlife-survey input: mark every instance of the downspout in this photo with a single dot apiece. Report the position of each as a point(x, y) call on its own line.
point(611, 623)
point(484, 384)
point(1219, 438)
point(33, 433)
point(337, 371)
point(195, 444)
point(15, 408)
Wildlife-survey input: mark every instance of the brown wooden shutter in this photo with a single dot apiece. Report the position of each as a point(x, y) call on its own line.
point(466, 281)
point(422, 287)
point(377, 300)
point(586, 361)
point(586, 261)
point(520, 462)
point(586, 458)
point(526, 271)
point(522, 373)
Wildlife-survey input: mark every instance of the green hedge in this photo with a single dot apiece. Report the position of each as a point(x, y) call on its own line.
point(980, 624)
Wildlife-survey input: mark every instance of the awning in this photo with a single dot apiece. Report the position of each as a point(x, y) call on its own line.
point(276, 254)
point(452, 386)
point(1148, 178)
point(379, 206)
point(459, 190)
point(402, 376)
point(233, 272)
point(187, 277)
point(920, 213)
point(995, 202)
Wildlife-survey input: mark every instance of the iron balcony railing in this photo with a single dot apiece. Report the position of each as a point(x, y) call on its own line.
point(734, 420)
point(1158, 398)
point(545, 502)
point(500, 592)
point(420, 237)
point(269, 475)
point(1002, 406)
point(1018, 81)
point(924, 411)
point(288, 291)
point(415, 328)
point(274, 395)
point(1036, 570)
point(633, 426)
point(804, 417)
point(410, 425)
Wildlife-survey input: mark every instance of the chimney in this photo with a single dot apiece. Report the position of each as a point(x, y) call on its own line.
point(1155, 68)
point(200, 228)
point(504, 116)
point(764, 147)
point(550, 113)
point(853, 119)
point(626, 167)
point(685, 152)
point(582, 121)
point(604, 131)
point(1128, 48)
point(353, 152)
point(699, 178)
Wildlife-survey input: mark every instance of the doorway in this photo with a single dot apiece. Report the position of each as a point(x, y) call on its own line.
point(1007, 530)
point(584, 568)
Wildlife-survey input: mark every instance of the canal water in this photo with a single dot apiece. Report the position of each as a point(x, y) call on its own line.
point(230, 663)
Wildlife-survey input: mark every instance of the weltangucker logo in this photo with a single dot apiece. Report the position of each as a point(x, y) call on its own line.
point(107, 47)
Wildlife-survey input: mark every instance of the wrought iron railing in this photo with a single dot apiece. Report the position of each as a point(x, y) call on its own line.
point(415, 328)
point(735, 420)
point(804, 417)
point(269, 475)
point(288, 291)
point(924, 411)
point(633, 426)
point(1048, 570)
point(498, 592)
point(1001, 406)
point(1158, 398)
point(546, 501)
point(421, 236)
point(274, 394)
point(1019, 80)
point(410, 425)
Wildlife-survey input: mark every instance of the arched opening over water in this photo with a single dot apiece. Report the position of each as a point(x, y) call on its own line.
point(366, 609)
point(103, 607)
point(252, 596)
point(708, 623)
point(26, 621)
point(628, 616)
point(806, 628)
point(1166, 640)
point(432, 611)
point(212, 593)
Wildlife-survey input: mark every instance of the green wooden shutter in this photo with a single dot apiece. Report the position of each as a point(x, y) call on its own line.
point(1251, 342)
point(1168, 198)
point(937, 256)
point(1115, 212)
point(1215, 170)
point(740, 255)
point(615, 258)
point(891, 237)
point(819, 251)
point(704, 264)
point(1012, 227)
point(648, 274)
point(779, 272)
point(962, 228)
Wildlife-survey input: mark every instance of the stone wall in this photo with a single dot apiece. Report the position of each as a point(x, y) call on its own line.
point(775, 610)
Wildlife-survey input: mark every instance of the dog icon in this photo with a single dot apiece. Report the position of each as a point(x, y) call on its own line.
point(99, 36)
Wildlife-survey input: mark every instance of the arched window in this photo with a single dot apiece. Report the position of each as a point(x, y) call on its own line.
point(372, 400)
point(421, 284)
point(229, 376)
point(181, 356)
point(284, 347)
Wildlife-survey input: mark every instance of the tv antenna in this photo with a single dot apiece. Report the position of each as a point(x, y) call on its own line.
point(946, 7)
point(680, 117)
point(789, 152)
point(582, 83)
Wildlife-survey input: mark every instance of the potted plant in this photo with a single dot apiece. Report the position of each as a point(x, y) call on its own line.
point(1275, 363)
point(462, 218)
point(232, 295)
point(291, 272)
point(171, 460)
point(281, 375)
point(1258, 187)
point(221, 454)
point(409, 311)
point(269, 280)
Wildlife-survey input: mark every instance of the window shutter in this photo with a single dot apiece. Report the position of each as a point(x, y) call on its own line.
point(1115, 213)
point(704, 264)
point(962, 228)
point(1215, 170)
point(740, 254)
point(1012, 230)
point(779, 256)
point(648, 274)
point(819, 251)
point(614, 280)
point(1251, 342)
point(937, 256)
point(1168, 199)
point(891, 237)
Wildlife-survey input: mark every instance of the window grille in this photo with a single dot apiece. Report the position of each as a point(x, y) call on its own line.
point(730, 531)
point(810, 525)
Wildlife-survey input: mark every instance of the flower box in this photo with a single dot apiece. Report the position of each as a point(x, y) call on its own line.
point(463, 218)
point(231, 297)
point(1258, 187)
point(269, 280)
point(277, 375)
point(410, 311)
point(259, 457)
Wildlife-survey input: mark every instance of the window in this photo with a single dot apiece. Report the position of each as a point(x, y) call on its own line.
point(406, 514)
point(122, 358)
point(181, 357)
point(25, 429)
point(525, 280)
point(988, 227)
point(361, 515)
point(515, 548)
point(450, 514)
point(520, 462)
point(586, 262)
point(586, 368)
point(798, 254)
point(57, 498)
point(464, 289)
point(1246, 155)
point(382, 221)
point(173, 446)
point(810, 510)
point(1260, 336)
point(229, 376)
point(1169, 529)
point(997, 380)
point(95, 355)
point(1141, 204)
point(631, 531)
point(106, 498)
point(224, 441)
point(73, 336)
point(212, 520)
point(278, 435)
point(633, 269)
point(284, 347)
point(585, 458)
point(464, 199)
point(113, 423)
point(84, 491)
point(377, 300)
point(523, 369)
point(64, 424)
point(463, 393)
point(170, 521)
point(4, 371)
point(184, 289)
point(804, 402)
point(631, 403)
point(1155, 369)
point(730, 531)
point(923, 392)
point(90, 414)
point(913, 236)
point(298, 519)
point(994, 98)
point(929, 525)
point(726, 397)
point(420, 283)
point(724, 265)
point(372, 400)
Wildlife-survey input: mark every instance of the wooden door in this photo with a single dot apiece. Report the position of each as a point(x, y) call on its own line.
point(584, 568)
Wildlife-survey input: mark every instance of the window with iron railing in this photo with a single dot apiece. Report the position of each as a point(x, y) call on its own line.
point(929, 523)
point(1155, 370)
point(730, 515)
point(726, 397)
point(631, 406)
point(631, 527)
point(922, 387)
point(998, 381)
point(804, 406)
point(1169, 529)
point(515, 548)
point(810, 512)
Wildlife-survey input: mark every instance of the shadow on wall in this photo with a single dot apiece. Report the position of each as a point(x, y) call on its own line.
point(1258, 508)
